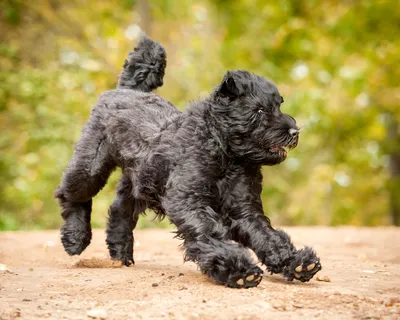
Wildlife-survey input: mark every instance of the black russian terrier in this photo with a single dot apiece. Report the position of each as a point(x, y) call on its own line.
point(201, 168)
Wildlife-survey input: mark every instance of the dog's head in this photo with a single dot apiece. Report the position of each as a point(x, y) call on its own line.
point(248, 109)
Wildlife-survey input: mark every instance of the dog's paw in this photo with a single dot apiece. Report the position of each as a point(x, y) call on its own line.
point(128, 261)
point(250, 279)
point(75, 241)
point(304, 265)
point(123, 253)
point(125, 258)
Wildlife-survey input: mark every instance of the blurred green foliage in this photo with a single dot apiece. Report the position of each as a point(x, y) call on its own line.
point(336, 64)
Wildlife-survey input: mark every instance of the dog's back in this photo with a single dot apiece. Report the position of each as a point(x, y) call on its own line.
point(131, 122)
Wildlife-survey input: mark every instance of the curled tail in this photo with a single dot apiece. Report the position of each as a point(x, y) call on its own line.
point(144, 67)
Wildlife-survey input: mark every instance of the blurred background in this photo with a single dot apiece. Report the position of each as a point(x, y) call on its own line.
point(336, 63)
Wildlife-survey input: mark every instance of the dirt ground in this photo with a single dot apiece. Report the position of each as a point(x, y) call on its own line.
point(39, 280)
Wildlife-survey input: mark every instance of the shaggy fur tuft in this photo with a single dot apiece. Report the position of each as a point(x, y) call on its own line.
point(144, 68)
point(202, 168)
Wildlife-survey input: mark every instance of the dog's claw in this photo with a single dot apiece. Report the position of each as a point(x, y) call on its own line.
point(299, 268)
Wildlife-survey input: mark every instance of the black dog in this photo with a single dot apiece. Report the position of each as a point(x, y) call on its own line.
point(201, 168)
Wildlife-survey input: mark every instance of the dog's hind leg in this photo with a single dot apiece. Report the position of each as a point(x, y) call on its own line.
point(123, 216)
point(85, 176)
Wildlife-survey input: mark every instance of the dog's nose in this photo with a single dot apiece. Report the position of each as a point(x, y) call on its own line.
point(293, 132)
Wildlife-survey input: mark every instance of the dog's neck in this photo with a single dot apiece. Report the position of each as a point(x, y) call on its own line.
point(204, 125)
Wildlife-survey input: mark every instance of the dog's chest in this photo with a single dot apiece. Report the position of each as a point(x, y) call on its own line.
point(226, 185)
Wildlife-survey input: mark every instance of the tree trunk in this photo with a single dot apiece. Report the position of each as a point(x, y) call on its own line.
point(394, 169)
point(143, 10)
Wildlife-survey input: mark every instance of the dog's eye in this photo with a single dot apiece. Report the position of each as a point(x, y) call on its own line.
point(260, 111)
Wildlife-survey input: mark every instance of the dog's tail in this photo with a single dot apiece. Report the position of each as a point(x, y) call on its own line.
point(144, 67)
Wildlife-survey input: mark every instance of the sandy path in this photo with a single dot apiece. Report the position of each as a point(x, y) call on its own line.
point(363, 265)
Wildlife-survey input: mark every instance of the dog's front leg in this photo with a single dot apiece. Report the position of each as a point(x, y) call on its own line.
point(253, 229)
point(189, 201)
point(274, 248)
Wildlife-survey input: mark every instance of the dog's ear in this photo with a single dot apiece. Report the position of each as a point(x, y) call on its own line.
point(229, 86)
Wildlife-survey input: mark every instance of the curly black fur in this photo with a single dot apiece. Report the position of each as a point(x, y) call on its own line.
point(145, 66)
point(201, 168)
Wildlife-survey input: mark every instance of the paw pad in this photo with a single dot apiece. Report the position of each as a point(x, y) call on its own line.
point(250, 277)
point(305, 273)
point(249, 281)
point(310, 266)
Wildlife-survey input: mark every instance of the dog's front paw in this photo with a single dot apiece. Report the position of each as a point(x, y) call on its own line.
point(75, 237)
point(303, 266)
point(251, 278)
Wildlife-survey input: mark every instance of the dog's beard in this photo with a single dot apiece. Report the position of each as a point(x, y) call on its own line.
point(274, 149)
point(281, 148)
